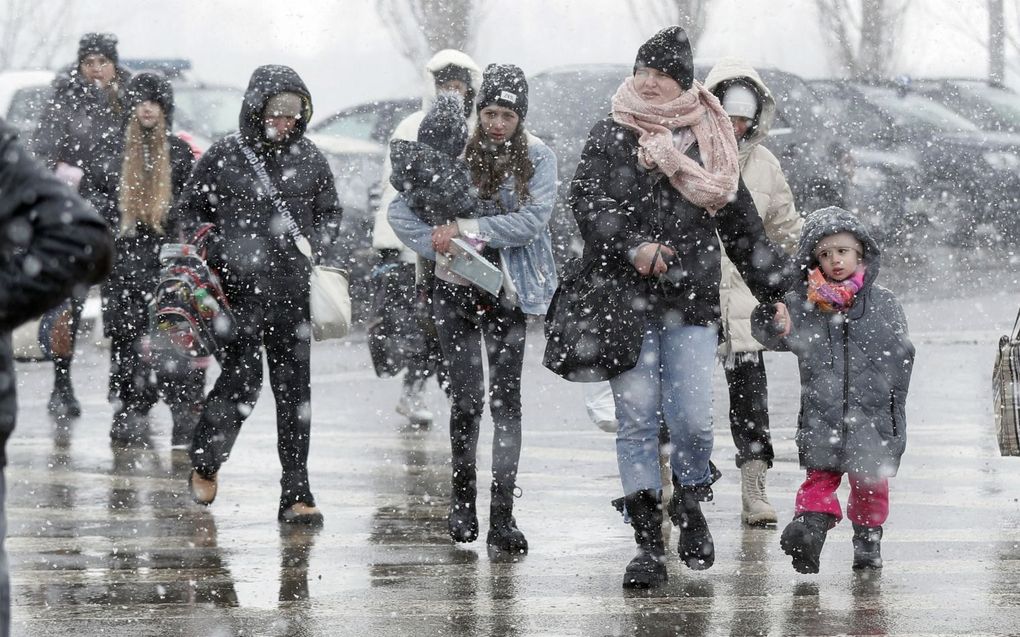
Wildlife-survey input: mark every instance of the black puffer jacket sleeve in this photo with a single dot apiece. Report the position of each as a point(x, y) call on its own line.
point(764, 266)
point(50, 239)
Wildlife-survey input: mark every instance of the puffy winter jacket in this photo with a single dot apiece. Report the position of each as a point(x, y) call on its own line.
point(773, 199)
point(854, 367)
point(521, 234)
point(50, 241)
point(383, 237)
point(252, 249)
point(82, 123)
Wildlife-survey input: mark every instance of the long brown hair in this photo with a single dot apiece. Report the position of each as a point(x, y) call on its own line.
point(490, 164)
point(145, 177)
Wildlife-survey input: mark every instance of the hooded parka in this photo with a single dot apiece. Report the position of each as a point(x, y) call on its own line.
point(854, 367)
point(252, 249)
point(772, 197)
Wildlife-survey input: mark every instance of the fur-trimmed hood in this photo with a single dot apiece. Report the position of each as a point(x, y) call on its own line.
point(441, 60)
point(724, 73)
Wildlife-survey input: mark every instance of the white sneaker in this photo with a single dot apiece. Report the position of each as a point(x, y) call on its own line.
point(412, 405)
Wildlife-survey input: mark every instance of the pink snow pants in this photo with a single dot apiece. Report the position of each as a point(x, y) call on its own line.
point(869, 497)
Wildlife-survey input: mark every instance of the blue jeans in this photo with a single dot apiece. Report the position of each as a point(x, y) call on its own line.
point(671, 383)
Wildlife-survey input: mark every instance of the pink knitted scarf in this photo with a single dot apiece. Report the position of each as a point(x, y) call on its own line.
point(711, 186)
point(834, 296)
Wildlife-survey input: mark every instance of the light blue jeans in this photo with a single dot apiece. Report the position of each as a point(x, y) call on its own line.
point(671, 383)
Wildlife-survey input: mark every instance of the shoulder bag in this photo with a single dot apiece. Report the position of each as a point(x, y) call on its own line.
point(329, 296)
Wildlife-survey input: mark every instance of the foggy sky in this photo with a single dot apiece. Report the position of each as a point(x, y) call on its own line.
point(345, 54)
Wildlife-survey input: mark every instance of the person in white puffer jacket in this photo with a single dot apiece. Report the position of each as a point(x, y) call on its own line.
point(752, 110)
point(448, 70)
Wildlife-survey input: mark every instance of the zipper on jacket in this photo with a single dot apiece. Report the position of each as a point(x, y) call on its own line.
point(892, 412)
point(846, 374)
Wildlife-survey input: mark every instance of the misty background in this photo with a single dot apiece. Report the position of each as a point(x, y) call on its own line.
point(352, 51)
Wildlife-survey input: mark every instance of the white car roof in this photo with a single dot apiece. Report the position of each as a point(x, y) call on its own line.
point(13, 81)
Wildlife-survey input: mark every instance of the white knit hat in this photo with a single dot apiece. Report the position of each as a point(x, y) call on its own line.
point(740, 101)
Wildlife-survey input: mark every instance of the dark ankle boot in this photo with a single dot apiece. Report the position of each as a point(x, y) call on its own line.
point(504, 537)
point(648, 568)
point(867, 546)
point(696, 548)
point(804, 537)
point(462, 521)
point(63, 403)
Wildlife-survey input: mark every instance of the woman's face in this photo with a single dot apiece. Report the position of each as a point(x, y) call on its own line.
point(498, 123)
point(655, 87)
point(148, 113)
point(98, 68)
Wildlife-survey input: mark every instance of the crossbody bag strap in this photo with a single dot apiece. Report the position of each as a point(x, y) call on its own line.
point(303, 246)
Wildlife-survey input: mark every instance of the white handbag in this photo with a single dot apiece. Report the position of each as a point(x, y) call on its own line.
point(330, 302)
point(329, 290)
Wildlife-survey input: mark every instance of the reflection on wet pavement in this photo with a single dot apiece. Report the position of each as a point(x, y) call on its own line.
point(107, 541)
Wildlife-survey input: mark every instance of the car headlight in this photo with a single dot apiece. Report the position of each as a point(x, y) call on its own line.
point(1000, 160)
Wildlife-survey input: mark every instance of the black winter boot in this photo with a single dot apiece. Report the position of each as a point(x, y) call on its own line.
point(62, 403)
point(696, 548)
point(867, 546)
point(648, 568)
point(504, 537)
point(804, 537)
point(462, 521)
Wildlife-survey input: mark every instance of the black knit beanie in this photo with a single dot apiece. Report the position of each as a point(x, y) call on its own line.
point(443, 127)
point(152, 87)
point(454, 72)
point(504, 85)
point(669, 51)
point(104, 44)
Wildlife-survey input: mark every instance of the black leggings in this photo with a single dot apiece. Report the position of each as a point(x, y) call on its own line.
point(464, 315)
point(749, 410)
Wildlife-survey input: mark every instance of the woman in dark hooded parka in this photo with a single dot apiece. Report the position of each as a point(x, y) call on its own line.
point(265, 278)
point(850, 337)
point(135, 196)
point(657, 187)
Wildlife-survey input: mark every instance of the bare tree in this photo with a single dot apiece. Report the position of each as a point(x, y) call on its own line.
point(863, 35)
point(996, 42)
point(419, 28)
point(31, 32)
point(652, 15)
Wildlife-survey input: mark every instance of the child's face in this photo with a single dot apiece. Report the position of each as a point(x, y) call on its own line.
point(838, 256)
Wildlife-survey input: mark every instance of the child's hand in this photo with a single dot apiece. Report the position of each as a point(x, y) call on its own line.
point(781, 321)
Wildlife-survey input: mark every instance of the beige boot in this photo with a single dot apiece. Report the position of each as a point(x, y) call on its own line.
point(757, 511)
point(667, 490)
point(203, 490)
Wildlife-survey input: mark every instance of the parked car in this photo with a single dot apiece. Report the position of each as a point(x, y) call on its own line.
point(565, 102)
point(371, 121)
point(969, 178)
point(992, 108)
point(23, 96)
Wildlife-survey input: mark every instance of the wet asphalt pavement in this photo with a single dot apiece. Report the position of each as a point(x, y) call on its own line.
point(107, 542)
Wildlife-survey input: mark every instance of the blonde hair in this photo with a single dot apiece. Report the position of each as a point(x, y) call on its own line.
point(145, 178)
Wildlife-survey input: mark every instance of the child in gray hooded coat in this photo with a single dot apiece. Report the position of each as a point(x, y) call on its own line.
point(855, 359)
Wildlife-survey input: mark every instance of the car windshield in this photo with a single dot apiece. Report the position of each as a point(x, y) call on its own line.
point(913, 110)
point(566, 104)
point(208, 111)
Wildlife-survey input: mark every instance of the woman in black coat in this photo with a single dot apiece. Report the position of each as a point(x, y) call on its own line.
point(77, 137)
point(265, 277)
point(135, 197)
point(657, 187)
